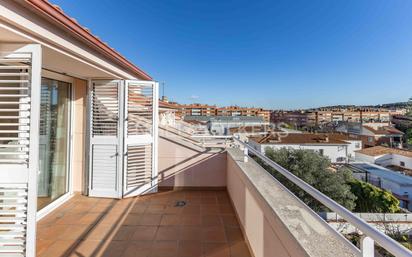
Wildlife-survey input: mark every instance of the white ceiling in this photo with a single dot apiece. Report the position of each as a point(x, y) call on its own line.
point(55, 60)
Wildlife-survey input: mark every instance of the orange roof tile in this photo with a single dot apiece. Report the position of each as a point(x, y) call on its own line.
point(382, 150)
point(303, 138)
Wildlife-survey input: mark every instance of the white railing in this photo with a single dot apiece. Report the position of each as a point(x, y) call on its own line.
point(214, 141)
point(189, 128)
point(371, 234)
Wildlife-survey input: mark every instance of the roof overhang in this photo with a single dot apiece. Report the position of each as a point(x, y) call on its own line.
point(65, 48)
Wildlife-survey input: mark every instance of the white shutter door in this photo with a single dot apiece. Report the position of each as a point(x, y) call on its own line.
point(19, 131)
point(140, 130)
point(104, 139)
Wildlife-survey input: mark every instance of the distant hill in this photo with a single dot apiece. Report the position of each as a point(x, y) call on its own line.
point(388, 105)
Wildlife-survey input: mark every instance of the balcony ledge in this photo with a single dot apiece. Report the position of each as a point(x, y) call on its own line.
point(300, 231)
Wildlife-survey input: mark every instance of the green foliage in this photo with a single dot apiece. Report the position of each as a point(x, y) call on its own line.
point(315, 170)
point(287, 125)
point(409, 136)
point(373, 199)
point(409, 113)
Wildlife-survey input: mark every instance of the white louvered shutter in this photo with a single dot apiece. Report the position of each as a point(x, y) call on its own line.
point(104, 139)
point(19, 122)
point(140, 162)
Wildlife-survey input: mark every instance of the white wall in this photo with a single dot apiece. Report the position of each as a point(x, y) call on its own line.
point(360, 157)
point(274, 221)
point(333, 152)
point(396, 159)
point(354, 145)
point(385, 160)
point(167, 118)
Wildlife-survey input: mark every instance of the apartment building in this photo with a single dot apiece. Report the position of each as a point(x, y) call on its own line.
point(221, 125)
point(357, 115)
point(198, 109)
point(402, 121)
point(243, 111)
point(297, 119)
point(195, 109)
point(373, 134)
point(321, 117)
point(338, 148)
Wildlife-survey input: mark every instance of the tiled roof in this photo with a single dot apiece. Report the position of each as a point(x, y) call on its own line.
point(384, 130)
point(167, 105)
point(381, 150)
point(303, 138)
point(344, 136)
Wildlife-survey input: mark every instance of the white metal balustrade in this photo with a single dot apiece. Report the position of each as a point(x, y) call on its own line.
point(370, 234)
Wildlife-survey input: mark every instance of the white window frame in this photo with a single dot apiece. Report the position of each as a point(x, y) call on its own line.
point(69, 194)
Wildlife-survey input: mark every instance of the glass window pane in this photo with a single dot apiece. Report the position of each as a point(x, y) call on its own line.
point(53, 141)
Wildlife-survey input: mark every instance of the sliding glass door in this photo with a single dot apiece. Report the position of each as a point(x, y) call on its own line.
point(54, 142)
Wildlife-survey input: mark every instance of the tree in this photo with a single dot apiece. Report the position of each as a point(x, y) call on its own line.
point(315, 170)
point(409, 107)
point(373, 199)
point(409, 136)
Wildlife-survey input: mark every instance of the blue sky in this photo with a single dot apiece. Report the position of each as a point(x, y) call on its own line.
point(271, 54)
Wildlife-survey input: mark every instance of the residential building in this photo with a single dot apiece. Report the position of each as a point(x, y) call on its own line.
point(86, 170)
point(402, 121)
point(324, 116)
point(243, 111)
point(298, 119)
point(196, 110)
point(221, 125)
point(373, 134)
point(398, 184)
point(338, 148)
point(352, 115)
point(399, 159)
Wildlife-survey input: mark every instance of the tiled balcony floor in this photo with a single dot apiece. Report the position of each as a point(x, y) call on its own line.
point(148, 226)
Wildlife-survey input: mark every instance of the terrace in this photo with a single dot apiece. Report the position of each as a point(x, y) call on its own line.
point(232, 207)
point(150, 225)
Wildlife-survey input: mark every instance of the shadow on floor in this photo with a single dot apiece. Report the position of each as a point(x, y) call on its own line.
point(146, 226)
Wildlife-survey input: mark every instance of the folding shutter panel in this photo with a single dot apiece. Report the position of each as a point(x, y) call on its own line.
point(19, 117)
point(141, 130)
point(139, 109)
point(104, 139)
point(139, 166)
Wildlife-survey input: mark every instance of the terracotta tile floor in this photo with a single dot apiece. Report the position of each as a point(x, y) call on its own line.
point(148, 226)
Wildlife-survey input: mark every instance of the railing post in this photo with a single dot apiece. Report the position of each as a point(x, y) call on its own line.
point(367, 246)
point(245, 154)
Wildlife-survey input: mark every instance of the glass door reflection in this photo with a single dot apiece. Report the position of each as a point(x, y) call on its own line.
point(54, 129)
